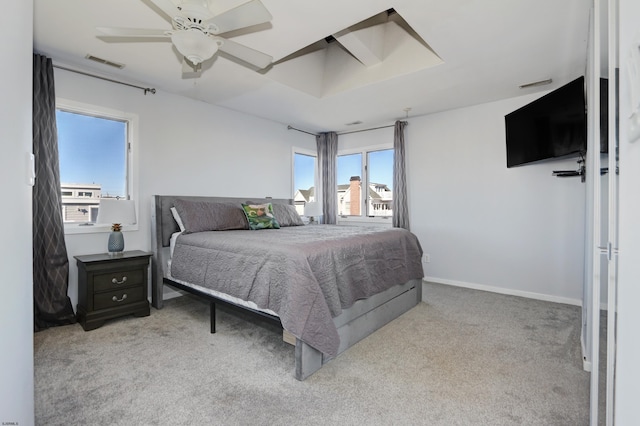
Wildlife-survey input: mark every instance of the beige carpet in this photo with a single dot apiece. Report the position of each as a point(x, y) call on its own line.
point(464, 357)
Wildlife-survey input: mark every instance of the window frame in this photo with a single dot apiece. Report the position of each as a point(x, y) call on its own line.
point(130, 165)
point(364, 218)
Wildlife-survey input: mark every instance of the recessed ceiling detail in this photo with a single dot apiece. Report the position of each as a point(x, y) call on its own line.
point(376, 49)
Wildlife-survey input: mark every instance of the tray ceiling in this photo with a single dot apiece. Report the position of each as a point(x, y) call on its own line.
point(338, 62)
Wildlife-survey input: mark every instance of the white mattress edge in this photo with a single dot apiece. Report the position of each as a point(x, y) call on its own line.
point(219, 295)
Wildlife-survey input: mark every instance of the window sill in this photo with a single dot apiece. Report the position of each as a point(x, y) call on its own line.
point(76, 228)
point(356, 220)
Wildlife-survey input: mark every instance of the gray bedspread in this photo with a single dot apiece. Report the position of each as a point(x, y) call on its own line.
point(306, 274)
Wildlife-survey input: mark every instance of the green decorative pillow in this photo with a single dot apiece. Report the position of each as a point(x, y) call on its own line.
point(260, 216)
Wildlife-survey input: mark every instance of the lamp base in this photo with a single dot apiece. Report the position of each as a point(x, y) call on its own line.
point(116, 242)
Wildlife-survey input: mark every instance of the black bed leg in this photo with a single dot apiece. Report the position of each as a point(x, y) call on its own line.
point(213, 317)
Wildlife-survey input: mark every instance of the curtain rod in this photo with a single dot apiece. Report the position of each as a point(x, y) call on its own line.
point(145, 89)
point(342, 133)
point(302, 131)
point(365, 130)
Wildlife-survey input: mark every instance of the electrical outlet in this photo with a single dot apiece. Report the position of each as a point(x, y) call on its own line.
point(426, 258)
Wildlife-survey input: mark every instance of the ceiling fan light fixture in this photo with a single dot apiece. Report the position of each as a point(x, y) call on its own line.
point(194, 45)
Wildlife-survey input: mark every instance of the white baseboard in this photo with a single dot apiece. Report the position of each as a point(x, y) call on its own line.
point(501, 290)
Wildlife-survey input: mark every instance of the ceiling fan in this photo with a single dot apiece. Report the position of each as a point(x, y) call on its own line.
point(196, 31)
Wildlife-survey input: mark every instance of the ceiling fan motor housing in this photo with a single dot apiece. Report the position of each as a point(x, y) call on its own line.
point(196, 11)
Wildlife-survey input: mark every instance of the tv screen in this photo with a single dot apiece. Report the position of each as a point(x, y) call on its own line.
point(552, 126)
point(604, 115)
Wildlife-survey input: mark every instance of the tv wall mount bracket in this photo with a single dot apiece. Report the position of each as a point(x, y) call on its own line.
point(581, 171)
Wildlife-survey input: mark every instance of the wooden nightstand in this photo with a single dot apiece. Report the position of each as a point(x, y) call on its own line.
point(111, 286)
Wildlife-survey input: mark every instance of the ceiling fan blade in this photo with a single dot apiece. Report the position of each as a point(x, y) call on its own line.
point(245, 15)
point(133, 32)
point(167, 7)
point(246, 54)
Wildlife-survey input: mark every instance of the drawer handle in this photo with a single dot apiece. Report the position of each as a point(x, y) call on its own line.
point(115, 281)
point(115, 299)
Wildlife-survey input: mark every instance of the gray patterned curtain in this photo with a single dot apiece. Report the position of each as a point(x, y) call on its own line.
point(52, 306)
point(400, 205)
point(327, 145)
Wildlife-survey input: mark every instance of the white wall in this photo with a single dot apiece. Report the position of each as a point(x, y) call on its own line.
point(16, 304)
point(185, 147)
point(627, 386)
point(518, 231)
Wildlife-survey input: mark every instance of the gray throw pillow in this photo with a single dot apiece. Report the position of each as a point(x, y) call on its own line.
point(199, 216)
point(286, 215)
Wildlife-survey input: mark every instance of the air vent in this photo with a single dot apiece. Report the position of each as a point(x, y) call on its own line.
point(104, 61)
point(536, 83)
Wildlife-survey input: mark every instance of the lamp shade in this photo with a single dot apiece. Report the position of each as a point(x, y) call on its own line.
point(112, 210)
point(312, 209)
point(194, 45)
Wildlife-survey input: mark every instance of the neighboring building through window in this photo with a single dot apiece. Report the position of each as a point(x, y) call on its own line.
point(94, 161)
point(78, 207)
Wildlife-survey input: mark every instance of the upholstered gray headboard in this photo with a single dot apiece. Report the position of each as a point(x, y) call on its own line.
point(163, 226)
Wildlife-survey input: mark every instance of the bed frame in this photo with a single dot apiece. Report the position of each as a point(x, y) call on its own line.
point(353, 324)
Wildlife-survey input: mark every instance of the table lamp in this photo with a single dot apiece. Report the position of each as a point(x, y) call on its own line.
point(311, 210)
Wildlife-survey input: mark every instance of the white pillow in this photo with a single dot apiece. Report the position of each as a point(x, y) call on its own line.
point(176, 217)
point(172, 244)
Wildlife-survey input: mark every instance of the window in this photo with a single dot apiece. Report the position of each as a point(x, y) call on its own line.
point(365, 181)
point(94, 149)
point(304, 176)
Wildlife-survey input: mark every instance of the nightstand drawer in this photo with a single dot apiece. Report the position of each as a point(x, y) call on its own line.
point(117, 298)
point(114, 280)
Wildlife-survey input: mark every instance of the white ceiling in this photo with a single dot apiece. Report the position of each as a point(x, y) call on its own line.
point(488, 49)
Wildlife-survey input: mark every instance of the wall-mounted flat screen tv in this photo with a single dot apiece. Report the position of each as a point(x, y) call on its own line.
point(604, 115)
point(553, 126)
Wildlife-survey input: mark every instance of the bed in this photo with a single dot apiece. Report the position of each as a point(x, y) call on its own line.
point(327, 286)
